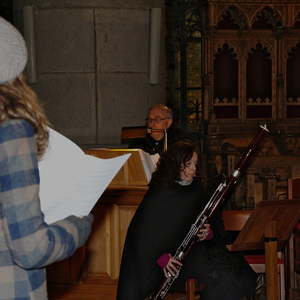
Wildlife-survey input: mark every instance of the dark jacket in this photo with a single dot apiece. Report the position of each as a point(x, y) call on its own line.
point(159, 226)
point(151, 146)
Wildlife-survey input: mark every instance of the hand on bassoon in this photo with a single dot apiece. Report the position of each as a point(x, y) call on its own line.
point(204, 232)
point(172, 267)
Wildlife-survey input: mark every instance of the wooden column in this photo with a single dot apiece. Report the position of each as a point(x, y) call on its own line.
point(271, 261)
point(190, 289)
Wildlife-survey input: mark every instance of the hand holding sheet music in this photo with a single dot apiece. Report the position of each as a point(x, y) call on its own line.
point(71, 181)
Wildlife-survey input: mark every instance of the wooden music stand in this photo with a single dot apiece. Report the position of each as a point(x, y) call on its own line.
point(133, 173)
point(269, 228)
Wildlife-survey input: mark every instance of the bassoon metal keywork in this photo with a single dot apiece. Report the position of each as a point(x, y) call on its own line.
point(218, 197)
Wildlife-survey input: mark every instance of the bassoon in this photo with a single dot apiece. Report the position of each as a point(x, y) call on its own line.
point(217, 198)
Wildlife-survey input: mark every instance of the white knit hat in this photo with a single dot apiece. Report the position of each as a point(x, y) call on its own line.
point(13, 52)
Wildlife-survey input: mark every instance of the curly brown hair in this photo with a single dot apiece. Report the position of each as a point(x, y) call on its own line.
point(19, 101)
point(171, 162)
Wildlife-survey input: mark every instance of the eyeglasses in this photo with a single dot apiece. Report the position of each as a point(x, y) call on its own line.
point(156, 120)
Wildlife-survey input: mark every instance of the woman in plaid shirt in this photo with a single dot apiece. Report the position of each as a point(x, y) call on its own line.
point(27, 243)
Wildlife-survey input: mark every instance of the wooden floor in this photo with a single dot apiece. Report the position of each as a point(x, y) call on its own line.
point(88, 288)
point(96, 291)
point(93, 291)
point(101, 289)
point(82, 291)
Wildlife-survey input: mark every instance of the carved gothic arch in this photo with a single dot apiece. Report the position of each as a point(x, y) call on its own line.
point(234, 45)
point(288, 47)
point(268, 44)
point(239, 9)
point(296, 20)
point(260, 9)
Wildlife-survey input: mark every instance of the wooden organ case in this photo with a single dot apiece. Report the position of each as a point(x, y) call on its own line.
point(251, 66)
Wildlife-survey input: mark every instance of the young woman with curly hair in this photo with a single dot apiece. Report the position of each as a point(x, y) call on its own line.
point(27, 242)
point(162, 220)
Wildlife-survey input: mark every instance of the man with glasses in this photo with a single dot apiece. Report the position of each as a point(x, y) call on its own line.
point(161, 132)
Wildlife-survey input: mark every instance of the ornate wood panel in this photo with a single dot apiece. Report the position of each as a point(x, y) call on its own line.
point(256, 43)
point(113, 214)
point(246, 28)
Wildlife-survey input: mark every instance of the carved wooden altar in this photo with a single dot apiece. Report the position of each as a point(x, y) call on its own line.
point(252, 58)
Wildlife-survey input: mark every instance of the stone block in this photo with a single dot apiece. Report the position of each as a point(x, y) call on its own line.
point(69, 102)
point(90, 3)
point(122, 40)
point(68, 45)
point(123, 101)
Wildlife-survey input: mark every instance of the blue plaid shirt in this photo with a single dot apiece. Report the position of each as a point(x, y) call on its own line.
point(27, 243)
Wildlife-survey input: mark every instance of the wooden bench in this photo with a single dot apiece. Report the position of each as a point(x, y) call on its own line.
point(129, 133)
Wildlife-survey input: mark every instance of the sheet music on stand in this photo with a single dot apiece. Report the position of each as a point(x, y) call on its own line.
point(149, 162)
point(137, 171)
point(71, 182)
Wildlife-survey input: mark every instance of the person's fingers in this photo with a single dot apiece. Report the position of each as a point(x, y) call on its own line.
point(166, 272)
point(203, 232)
point(173, 266)
point(170, 269)
point(207, 228)
point(202, 235)
point(176, 262)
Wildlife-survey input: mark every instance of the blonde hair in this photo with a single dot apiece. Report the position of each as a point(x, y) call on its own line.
point(19, 101)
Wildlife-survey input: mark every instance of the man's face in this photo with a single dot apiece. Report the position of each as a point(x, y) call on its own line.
point(158, 119)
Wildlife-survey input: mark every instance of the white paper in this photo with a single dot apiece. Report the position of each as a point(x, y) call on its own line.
point(71, 181)
point(149, 162)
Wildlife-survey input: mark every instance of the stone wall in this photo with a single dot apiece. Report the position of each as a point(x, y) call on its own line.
point(92, 65)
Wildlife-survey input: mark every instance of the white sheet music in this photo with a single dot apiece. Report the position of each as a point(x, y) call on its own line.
point(149, 162)
point(71, 181)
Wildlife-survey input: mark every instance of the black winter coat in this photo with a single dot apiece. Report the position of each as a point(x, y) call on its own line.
point(159, 226)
